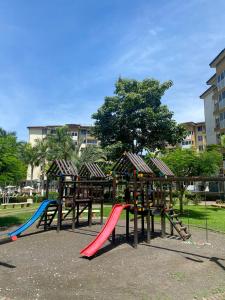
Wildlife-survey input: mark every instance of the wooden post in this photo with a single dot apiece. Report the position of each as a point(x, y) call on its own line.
point(127, 199)
point(127, 223)
point(78, 210)
point(102, 210)
point(46, 219)
point(142, 209)
point(163, 218)
point(74, 206)
point(47, 188)
point(135, 213)
point(148, 214)
point(90, 213)
point(170, 206)
point(60, 200)
point(114, 200)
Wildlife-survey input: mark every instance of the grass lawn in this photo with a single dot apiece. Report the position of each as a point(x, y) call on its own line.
point(197, 215)
point(16, 216)
point(194, 215)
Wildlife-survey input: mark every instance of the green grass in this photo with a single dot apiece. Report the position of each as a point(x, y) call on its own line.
point(16, 216)
point(197, 214)
point(193, 214)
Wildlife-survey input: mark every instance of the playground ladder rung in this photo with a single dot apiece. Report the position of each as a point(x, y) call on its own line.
point(183, 228)
point(177, 222)
point(187, 236)
point(174, 216)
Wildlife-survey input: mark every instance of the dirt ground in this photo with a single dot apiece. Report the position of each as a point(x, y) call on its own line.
point(47, 265)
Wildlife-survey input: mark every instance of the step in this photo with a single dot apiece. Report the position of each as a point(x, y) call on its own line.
point(187, 236)
point(174, 215)
point(183, 228)
point(177, 222)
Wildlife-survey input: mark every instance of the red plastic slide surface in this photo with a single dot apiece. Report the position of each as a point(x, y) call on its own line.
point(104, 234)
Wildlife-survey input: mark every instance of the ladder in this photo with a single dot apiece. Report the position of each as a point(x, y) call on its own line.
point(48, 216)
point(177, 224)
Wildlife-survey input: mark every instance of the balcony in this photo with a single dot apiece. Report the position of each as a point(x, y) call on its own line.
point(216, 108)
point(217, 128)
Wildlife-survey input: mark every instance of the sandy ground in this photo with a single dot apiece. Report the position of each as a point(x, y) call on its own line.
point(47, 265)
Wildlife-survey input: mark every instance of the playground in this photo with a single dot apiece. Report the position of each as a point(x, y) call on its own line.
point(48, 265)
point(143, 250)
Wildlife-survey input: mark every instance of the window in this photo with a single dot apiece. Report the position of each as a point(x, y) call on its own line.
point(83, 132)
point(200, 148)
point(73, 133)
point(199, 128)
point(93, 142)
point(53, 131)
point(200, 138)
point(44, 131)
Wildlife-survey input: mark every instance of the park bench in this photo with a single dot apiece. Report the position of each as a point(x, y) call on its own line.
point(13, 205)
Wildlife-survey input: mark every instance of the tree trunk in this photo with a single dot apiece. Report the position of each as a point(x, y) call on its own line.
point(31, 174)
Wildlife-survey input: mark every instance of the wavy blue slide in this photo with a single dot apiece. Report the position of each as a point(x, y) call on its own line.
point(34, 218)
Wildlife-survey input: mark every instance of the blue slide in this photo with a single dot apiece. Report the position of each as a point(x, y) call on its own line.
point(34, 218)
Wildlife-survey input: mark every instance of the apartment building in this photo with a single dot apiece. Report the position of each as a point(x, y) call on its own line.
point(196, 137)
point(214, 101)
point(81, 135)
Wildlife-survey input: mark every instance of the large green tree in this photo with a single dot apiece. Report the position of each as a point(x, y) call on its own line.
point(12, 168)
point(135, 119)
point(187, 162)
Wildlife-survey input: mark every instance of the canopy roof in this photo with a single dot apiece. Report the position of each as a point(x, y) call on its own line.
point(130, 161)
point(91, 170)
point(156, 163)
point(62, 167)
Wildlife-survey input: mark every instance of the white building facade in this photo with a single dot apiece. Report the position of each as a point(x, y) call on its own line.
point(81, 135)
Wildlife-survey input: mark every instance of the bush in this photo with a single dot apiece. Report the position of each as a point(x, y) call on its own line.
point(197, 199)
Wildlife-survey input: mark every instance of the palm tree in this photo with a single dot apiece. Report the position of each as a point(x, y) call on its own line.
point(89, 154)
point(41, 148)
point(60, 144)
point(30, 157)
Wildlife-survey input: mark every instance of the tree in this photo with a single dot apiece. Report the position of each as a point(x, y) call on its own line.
point(187, 162)
point(41, 148)
point(89, 154)
point(30, 157)
point(12, 168)
point(60, 144)
point(134, 119)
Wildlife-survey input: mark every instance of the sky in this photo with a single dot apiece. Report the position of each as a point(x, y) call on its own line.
point(60, 58)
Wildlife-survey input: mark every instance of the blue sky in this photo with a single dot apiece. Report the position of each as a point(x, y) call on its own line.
point(60, 58)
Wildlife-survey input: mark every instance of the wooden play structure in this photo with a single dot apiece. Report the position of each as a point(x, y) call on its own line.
point(144, 196)
point(148, 195)
point(77, 191)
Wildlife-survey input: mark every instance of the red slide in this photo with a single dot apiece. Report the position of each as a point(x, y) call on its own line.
point(107, 229)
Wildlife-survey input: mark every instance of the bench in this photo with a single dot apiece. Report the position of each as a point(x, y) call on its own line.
point(21, 204)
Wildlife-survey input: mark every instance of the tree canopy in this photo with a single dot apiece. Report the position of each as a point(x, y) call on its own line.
point(60, 144)
point(187, 162)
point(135, 119)
point(12, 168)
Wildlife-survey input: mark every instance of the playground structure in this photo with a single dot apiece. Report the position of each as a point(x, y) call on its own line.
point(143, 189)
point(77, 191)
point(144, 197)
